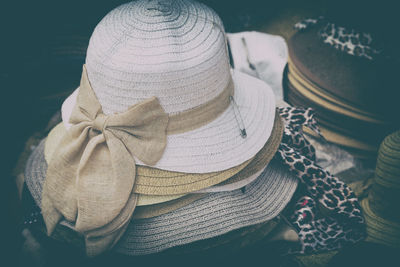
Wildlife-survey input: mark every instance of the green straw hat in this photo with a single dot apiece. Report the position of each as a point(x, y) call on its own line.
point(381, 207)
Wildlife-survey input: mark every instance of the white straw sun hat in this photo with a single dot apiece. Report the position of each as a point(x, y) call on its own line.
point(176, 51)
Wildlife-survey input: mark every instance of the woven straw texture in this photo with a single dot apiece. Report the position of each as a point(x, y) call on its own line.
point(381, 206)
point(213, 215)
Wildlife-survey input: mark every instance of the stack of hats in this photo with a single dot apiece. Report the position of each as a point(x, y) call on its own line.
point(162, 144)
point(337, 71)
point(381, 206)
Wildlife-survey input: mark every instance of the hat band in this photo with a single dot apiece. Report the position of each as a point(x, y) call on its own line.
point(201, 115)
point(187, 120)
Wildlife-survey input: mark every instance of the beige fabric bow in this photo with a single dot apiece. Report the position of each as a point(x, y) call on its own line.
point(91, 176)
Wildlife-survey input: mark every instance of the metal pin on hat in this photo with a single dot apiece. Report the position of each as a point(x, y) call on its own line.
point(238, 118)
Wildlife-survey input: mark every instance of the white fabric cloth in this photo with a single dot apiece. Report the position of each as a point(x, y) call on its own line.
point(261, 55)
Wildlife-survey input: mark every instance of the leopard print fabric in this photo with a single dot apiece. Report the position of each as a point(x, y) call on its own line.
point(297, 117)
point(352, 42)
point(345, 224)
point(305, 23)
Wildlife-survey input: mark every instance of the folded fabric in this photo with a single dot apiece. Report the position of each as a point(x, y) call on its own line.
point(261, 55)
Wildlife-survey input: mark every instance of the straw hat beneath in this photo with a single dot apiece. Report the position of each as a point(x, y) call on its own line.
point(212, 215)
point(275, 229)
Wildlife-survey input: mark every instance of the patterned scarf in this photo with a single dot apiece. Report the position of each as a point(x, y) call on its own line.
point(344, 224)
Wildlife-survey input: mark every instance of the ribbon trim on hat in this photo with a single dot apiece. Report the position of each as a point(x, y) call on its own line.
point(90, 177)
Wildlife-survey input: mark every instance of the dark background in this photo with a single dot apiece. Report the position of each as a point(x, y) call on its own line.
point(35, 75)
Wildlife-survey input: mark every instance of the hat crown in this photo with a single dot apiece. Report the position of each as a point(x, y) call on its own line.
point(387, 170)
point(174, 50)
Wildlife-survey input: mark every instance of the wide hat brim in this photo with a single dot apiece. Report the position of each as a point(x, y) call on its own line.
point(333, 114)
point(380, 230)
point(212, 215)
point(358, 82)
point(360, 137)
point(239, 181)
point(232, 241)
point(314, 93)
point(217, 145)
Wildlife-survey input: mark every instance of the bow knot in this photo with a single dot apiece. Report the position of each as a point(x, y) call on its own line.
point(99, 123)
